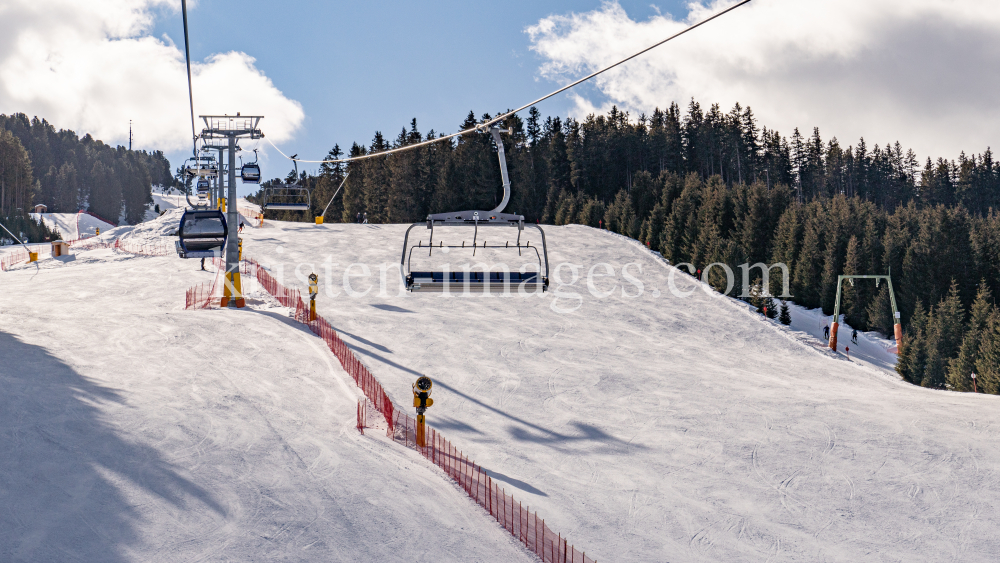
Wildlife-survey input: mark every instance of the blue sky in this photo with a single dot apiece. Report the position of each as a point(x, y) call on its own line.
point(913, 71)
point(365, 66)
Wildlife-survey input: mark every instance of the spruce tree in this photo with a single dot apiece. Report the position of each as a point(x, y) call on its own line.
point(786, 317)
point(944, 337)
point(769, 307)
point(879, 311)
point(988, 362)
point(960, 368)
point(910, 363)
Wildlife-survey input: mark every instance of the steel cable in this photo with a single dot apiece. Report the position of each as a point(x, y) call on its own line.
point(486, 124)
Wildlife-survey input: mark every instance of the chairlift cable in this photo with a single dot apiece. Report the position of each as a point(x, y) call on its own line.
point(325, 209)
point(486, 124)
point(187, 57)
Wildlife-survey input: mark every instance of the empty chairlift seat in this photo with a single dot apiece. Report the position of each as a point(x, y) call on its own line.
point(286, 197)
point(492, 278)
point(202, 233)
point(473, 281)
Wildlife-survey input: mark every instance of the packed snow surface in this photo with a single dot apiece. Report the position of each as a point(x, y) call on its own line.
point(133, 430)
point(643, 425)
point(72, 226)
point(652, 427)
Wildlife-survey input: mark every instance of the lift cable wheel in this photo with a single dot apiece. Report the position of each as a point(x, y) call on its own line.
point(467, 280)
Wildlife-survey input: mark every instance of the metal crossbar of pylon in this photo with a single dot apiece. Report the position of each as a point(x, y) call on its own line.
point(229, 128)
point(222, 126)
point(897, 326)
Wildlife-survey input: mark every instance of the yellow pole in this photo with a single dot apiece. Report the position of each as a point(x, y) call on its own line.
point(313, 292)
point(240, 245)
point(233, 289)
point(421, 439)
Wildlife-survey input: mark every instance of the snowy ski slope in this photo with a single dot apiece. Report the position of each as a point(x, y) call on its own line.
point(659, 428)
point(645, 427)
point(73, 225)
point(133, 430)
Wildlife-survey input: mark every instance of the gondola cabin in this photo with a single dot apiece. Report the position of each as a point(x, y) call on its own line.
point(202, 233)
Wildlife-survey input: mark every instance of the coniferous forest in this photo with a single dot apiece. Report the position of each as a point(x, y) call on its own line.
point(68, 173)
point(705, 186)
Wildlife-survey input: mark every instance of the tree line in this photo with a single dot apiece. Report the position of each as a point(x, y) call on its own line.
point(708, 186)
point(70, 173)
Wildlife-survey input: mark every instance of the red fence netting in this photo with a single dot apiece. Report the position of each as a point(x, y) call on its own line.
point(94, 215)
point(250, 214)
point(523, 524)
point(15, 257)
point(144, 247)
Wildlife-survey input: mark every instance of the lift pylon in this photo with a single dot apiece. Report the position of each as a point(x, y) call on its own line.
point(897, 327)
point(231, 128)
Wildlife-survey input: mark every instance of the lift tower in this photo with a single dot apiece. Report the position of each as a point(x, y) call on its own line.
point(232, 127)
point(219, 146)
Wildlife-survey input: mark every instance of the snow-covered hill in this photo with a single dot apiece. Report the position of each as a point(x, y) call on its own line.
point(72, 226)
point(658, 428)
point(643, 425)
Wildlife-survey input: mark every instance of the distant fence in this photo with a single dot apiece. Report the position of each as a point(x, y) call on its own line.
point(15, 257)
point(145, 248)
point(250, 214)
point(139, 247)
point(95, 216)
point(523, 524)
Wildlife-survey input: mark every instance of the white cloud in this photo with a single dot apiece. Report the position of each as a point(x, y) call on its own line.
point(918, 71)
point(92, 65)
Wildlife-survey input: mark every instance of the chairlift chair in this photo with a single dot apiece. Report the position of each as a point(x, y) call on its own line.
point(202, 233)
point(202, 166)
point(285, 196)
point(476, 281)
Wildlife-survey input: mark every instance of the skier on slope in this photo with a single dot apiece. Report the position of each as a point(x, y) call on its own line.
point(826, 332)
point(854, 336)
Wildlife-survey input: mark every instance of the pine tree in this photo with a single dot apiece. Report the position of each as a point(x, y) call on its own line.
point(962, 366)
point(879, 312)
point(770, 308)
point(786, 317)
point(988, 361)
point(558, 169)
point(910, 363)
point(944, 337)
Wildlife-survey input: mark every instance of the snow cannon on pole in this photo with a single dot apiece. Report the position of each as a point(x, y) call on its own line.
point(313, 292)
point(422, 400)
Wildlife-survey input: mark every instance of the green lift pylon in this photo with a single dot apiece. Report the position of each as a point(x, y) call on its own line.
point(897, 328)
